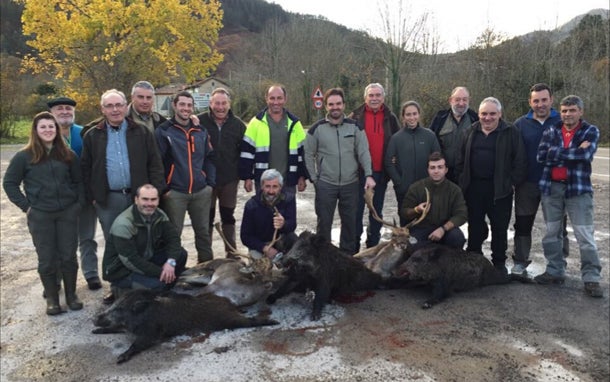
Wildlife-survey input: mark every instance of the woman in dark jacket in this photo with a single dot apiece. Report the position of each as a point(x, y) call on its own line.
point(51, 178)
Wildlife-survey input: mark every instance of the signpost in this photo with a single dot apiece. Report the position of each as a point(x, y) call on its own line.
point(317, 98)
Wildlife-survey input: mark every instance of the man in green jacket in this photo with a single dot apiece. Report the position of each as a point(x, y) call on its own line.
point(447, 207)
point(143, 249)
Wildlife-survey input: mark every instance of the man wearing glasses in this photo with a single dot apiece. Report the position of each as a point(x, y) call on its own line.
point(118, 156)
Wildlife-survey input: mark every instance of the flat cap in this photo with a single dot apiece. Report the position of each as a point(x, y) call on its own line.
point(61, 101)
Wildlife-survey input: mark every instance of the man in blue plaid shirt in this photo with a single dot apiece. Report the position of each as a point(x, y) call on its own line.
point(566, 151)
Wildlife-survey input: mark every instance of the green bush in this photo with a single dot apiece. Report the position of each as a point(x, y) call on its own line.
point(19, 132)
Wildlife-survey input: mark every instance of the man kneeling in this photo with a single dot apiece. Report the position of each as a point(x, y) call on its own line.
point(447, 207)
point(269, 213)
point(143, 249)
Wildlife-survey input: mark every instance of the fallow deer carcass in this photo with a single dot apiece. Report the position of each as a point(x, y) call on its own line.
point(385, 257)
point(240, 278)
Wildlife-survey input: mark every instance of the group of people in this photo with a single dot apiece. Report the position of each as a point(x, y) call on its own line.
point(139, 173)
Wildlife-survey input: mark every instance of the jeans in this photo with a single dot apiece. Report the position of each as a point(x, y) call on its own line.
point(527, 200)
point(373, 231)
point(116, 203)
point(327, 196)
point(580, 211)
point(87, 223)
point(481, 202)
point(140, 281)
point(453, 238)
point(176, 204)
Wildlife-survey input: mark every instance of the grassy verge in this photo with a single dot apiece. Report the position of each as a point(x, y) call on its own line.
point(21, 133)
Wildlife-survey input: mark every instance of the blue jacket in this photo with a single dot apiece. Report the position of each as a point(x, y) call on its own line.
point(187, 157)
point(257, 222)
point(551, 153)
point(531, 132)
point(76, 141)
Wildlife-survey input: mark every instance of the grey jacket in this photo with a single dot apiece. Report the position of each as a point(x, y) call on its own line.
point(333, 153)
point(406, 159)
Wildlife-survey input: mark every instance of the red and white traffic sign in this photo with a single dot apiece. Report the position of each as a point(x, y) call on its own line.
point(317, 98)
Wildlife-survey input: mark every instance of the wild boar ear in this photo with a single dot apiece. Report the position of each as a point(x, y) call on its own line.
point(435, 254)
point(140, 306)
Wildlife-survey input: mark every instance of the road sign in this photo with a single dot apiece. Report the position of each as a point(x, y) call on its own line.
point(317, 98)
point(317, 94)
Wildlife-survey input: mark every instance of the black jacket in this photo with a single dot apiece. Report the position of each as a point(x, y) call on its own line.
point(226, 143)
point(144, 161)
point(511, 163)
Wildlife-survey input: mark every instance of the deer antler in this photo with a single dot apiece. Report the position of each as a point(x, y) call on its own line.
point(424, 212)
point(276, 235)
point(233, 251)
point(368, 199)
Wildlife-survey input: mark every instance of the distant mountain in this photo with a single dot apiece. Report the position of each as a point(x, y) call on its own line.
point(563, 31)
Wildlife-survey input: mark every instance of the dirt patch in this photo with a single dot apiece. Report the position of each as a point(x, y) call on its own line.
point(510, 332)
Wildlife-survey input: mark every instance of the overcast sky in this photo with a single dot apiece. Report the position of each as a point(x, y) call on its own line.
point(457, 23)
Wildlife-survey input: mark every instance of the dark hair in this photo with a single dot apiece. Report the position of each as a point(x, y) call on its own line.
point(183, 93)
point(35, 146)
point(436, 156)
point(410, 103)
point(147, 186)
point(572, 100)
point(540, 87)
point(332, 92)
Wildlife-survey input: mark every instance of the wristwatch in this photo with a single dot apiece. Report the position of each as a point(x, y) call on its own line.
point(172, 262)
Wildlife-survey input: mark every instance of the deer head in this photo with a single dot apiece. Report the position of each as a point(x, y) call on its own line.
point(397, 231)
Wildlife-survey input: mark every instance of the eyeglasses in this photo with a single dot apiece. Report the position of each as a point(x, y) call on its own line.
point(111, 106)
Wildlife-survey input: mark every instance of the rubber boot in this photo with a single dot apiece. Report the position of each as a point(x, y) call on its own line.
point(229, 231)
point(523, 245)
point(70, 287)
point(49, 283)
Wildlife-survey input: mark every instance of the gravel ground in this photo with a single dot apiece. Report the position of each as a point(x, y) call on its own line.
point(515, 332)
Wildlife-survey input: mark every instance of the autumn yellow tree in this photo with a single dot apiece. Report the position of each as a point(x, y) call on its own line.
point(94, 45)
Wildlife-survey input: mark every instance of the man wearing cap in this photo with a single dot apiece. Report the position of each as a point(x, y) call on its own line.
point(63, 109)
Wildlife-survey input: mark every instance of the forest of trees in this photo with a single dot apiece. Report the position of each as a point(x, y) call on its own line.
point(261, 44)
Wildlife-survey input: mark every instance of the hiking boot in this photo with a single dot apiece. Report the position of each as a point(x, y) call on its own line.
point(594, 290)
point(546, 279)
point(519, 269)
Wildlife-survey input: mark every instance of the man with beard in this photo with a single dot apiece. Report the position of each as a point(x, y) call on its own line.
point(449, 126)
point(527, 195)
point(267, 215)
point(189, 172)
point(335, 149)
point(143, 250)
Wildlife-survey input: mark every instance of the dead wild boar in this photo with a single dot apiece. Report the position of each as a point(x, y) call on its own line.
point(314, 263)
point(449, 270)
point(154, 316)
